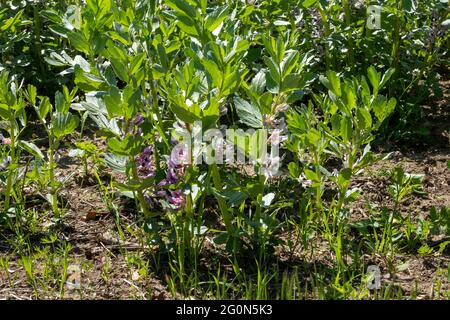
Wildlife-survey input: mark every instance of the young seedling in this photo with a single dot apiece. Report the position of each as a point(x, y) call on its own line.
point(58, 123)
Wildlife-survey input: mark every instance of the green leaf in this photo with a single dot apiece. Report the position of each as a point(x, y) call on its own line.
point(162, 53)
point(79, 41)
point(352, 195)
point(379, 108)
point(308, 3)
point(88, 82)
point(390, 106)
point(5, 112)
point(116, 163)
point(259, 83)
point(344, 177)
point(273, 69)
point(130, 146)
point(32, 149)
point(248, 113)
point(294, 170)
point(44, 108)
point(185, 113)
point(239, 45)
point(61, 104)
point(182, 6)
point(289, 62)
point(214, 72)
point(333, 84)
point(210, 113)
point(231, 83)
point(120, 69)
point(443, 245)
point(32, 94)
point(365, 91)
point(136, 185)
point(186, 24)
point(290, 82)
point(255, 189)
point(114, 104)
point(336, 123)
point(346, 129)
point(215, 18)
point(374, 78)
point(364, 118)
point(51, 15)
point(99, 7)
point(64, 124)
point(270, 45)
point(349, 96)
point(60, 31)
point(409, 6)
point(136, 62)
point(313, 137)
point(383, 108)
point(265, 102)
point(221, 238)
point(386, 77)
point(311, 175)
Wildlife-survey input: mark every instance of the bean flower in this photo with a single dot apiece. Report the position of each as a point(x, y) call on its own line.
point(145, 164)
point(175, 171)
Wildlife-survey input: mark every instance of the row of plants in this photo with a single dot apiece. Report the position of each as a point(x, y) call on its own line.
point(143, 74)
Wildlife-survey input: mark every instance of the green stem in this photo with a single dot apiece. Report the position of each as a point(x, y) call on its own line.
point(348, 22)
point(326, 25)
point(11, 171)
point(226, 216)
point(396, 44)
point(319, 202)
point(140, 195)
point(53, 189)
point(37, 38)
point(343, 191)
point(154, 95)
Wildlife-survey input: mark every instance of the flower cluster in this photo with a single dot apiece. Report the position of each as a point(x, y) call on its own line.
point(278, 129)
point(175, 171)
point(146, 168)
point(145, 164)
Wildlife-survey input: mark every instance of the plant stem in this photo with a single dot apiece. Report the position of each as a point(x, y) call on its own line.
point(140, 195)
point(53, 189)
point(319, 203)
point(348, 22)
point(326, 25)
point(396, 44)
point(227, 218)
point(37, 38)
point(11, 170)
